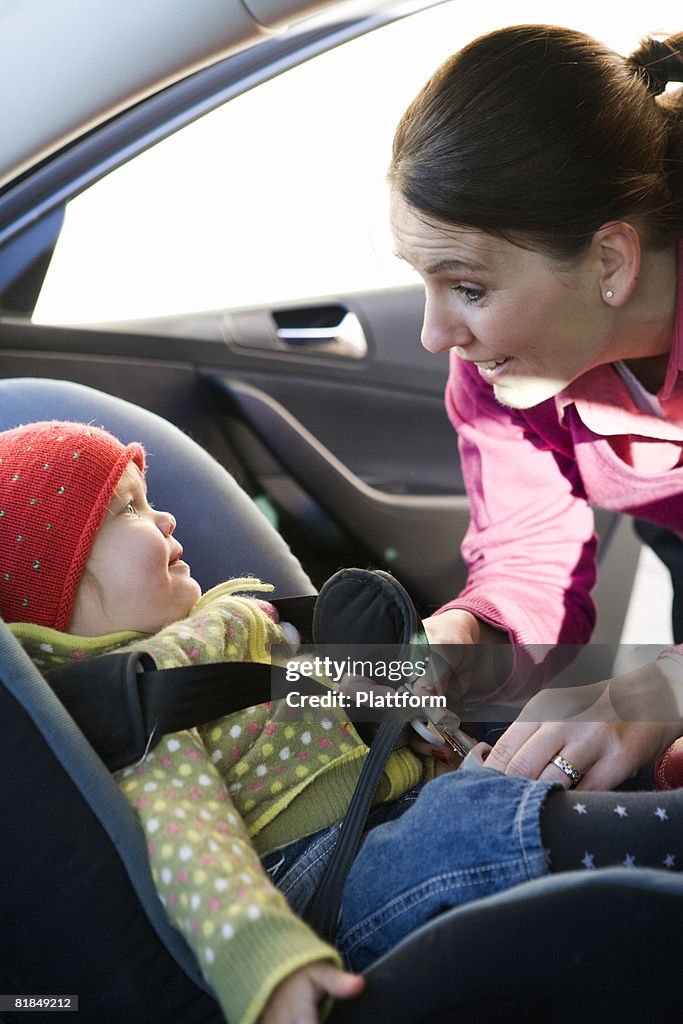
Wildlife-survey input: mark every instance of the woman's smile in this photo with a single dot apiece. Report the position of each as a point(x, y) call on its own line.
point(489, 368)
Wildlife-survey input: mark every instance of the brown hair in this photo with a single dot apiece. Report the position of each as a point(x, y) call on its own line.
point(540, 134)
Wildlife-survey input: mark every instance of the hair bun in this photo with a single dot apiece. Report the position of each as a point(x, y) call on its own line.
point(660, 61)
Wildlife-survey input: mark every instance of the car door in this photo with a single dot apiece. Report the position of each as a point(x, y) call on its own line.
point(238, 278)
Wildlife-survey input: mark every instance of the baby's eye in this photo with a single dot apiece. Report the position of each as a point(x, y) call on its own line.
point(470, 294)
point(130, 509)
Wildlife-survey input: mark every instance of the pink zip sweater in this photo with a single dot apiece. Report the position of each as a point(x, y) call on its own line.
point(530, 475)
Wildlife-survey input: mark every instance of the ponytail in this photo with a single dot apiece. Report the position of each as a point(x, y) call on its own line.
point(659, 62)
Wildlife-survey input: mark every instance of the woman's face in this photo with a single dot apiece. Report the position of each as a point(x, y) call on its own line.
point(529, 324)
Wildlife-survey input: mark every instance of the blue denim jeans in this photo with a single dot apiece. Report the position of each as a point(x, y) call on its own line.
point(465, 835)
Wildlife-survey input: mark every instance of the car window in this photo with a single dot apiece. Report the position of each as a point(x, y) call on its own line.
point(280, 194)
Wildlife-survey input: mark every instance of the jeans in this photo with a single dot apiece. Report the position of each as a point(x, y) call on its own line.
point(296, 869)
point(465, 835)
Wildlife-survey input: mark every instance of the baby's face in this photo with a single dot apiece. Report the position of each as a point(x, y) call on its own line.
point(135, 578)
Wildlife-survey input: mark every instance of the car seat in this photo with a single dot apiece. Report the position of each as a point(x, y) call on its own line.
point(80, 915)
point(70, 841)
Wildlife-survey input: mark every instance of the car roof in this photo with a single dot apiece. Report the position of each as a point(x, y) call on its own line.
point(69, 65)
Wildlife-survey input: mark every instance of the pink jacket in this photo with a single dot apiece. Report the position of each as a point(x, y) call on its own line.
point(530, 476)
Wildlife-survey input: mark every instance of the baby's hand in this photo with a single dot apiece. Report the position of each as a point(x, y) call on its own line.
point(295, 1000)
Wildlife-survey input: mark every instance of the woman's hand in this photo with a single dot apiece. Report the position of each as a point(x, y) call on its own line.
point(446, 760)
point(606, 730)
point(295, 1000)
point(452, 637)
point(460, 655)
point(452, 627)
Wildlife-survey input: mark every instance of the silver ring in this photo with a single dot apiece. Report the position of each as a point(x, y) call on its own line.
point(568, 768)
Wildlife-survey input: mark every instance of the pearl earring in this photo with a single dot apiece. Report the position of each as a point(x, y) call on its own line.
point(609, 294)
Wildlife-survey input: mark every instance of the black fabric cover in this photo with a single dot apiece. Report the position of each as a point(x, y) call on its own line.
point(601, 947)
point(364, 607)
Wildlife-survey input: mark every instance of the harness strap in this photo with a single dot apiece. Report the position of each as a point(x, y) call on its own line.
point(123, 704)
point(323, 910)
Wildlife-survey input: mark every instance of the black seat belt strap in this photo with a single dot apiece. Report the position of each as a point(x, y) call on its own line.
point(122, 703)
point(323, 912)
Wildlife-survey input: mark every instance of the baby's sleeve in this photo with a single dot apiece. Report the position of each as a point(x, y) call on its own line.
point(210, 879)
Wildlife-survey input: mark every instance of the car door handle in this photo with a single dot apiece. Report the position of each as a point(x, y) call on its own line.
point(329, 330)
point(345, 338)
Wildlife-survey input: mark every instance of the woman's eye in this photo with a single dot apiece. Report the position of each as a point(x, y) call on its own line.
point(471, 295)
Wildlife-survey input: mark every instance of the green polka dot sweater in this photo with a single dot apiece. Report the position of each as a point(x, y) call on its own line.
point(213, 800)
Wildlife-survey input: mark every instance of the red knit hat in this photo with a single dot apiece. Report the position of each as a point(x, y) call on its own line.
point(57, 480)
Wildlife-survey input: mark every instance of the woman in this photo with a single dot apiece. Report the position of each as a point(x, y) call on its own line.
point(538, 190)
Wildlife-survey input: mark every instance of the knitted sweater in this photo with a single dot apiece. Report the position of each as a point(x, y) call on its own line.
point(213, 799)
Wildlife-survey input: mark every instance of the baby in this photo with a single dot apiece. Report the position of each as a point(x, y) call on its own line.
point(88, 566)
